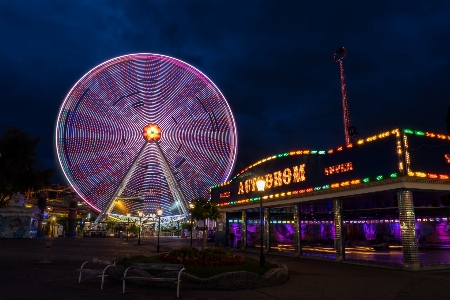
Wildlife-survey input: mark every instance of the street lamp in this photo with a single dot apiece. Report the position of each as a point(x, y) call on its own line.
point(128, 224)
point(141, 214)
point(53, 226)
point(260, 184)
point(191, 206)
point(159, 212)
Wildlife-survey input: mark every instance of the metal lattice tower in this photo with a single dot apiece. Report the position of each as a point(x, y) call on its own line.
point(349, 129)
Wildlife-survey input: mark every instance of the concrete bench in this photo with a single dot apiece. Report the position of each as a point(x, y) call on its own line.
point(94, 269)
point(154, 266)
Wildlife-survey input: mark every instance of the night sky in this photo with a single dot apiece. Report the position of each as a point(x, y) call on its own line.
point(272, 60)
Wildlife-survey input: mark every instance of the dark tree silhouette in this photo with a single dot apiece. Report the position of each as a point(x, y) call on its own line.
point(17, 165)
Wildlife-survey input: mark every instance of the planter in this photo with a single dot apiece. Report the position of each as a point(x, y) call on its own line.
point(225, 281)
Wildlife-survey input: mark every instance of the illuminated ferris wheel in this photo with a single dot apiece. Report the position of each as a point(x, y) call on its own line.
point(144, 131)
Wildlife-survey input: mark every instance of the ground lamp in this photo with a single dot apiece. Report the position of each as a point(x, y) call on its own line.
point(191, 206)
point(159, 212)
point(141, 214)
point(260, 184)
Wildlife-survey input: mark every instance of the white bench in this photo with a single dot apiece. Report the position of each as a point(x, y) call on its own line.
point(155, 266)
point(98, 272)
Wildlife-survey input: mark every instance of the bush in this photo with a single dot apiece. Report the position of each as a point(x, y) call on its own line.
point(216, 253)
point(184, 252)
point(208, 257)
point(187, 226)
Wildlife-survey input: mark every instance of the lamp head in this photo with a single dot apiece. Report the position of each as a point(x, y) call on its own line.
point(140, 213)
point(191, 205)
point(159, 211)
point(260, 184)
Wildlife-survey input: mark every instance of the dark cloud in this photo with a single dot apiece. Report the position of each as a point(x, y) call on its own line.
point(273, 61)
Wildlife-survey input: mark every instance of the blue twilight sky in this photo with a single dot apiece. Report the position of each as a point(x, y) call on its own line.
point(272, 60)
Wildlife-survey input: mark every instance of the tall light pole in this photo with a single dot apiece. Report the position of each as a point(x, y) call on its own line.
point(159, 212)
point(53, 226)
point(191, 206)
point(260, 184)
point(128, 224)
point(141, 214)
point(349, 129)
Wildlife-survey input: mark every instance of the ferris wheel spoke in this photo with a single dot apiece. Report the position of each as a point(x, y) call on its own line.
point(125, 96)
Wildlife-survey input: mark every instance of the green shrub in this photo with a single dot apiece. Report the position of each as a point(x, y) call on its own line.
point(214, 256)
point(184, 252)
point(216, 253)
point(187, 226)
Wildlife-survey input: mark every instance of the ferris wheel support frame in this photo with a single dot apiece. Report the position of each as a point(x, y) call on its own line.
point(173, 185)
point(121, 187)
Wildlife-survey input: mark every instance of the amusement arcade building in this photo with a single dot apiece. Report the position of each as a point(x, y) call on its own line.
point(384, 200)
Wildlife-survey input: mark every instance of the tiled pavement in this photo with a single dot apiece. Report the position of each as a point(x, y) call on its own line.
point(22, 276)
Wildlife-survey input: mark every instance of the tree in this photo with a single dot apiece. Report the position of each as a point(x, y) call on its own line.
point(111, 224)
point(134, 228)
point(17, 165)
point(204, 209)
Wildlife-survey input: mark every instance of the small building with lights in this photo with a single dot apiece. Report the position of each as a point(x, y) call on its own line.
point(383, 199)
point(61, 211)
point(17, 220)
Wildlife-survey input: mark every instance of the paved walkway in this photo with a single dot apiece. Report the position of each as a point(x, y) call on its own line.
point(22, 276)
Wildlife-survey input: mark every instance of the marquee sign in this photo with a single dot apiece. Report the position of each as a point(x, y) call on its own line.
point(274, 179)
point(427, 150)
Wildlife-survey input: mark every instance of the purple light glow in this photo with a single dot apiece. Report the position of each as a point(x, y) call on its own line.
point(282, 234)
point(315, 232)
point(235, 228)
point(437, 233)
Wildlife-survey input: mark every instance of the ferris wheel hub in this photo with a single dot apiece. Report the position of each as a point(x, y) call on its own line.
point(152, 133)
